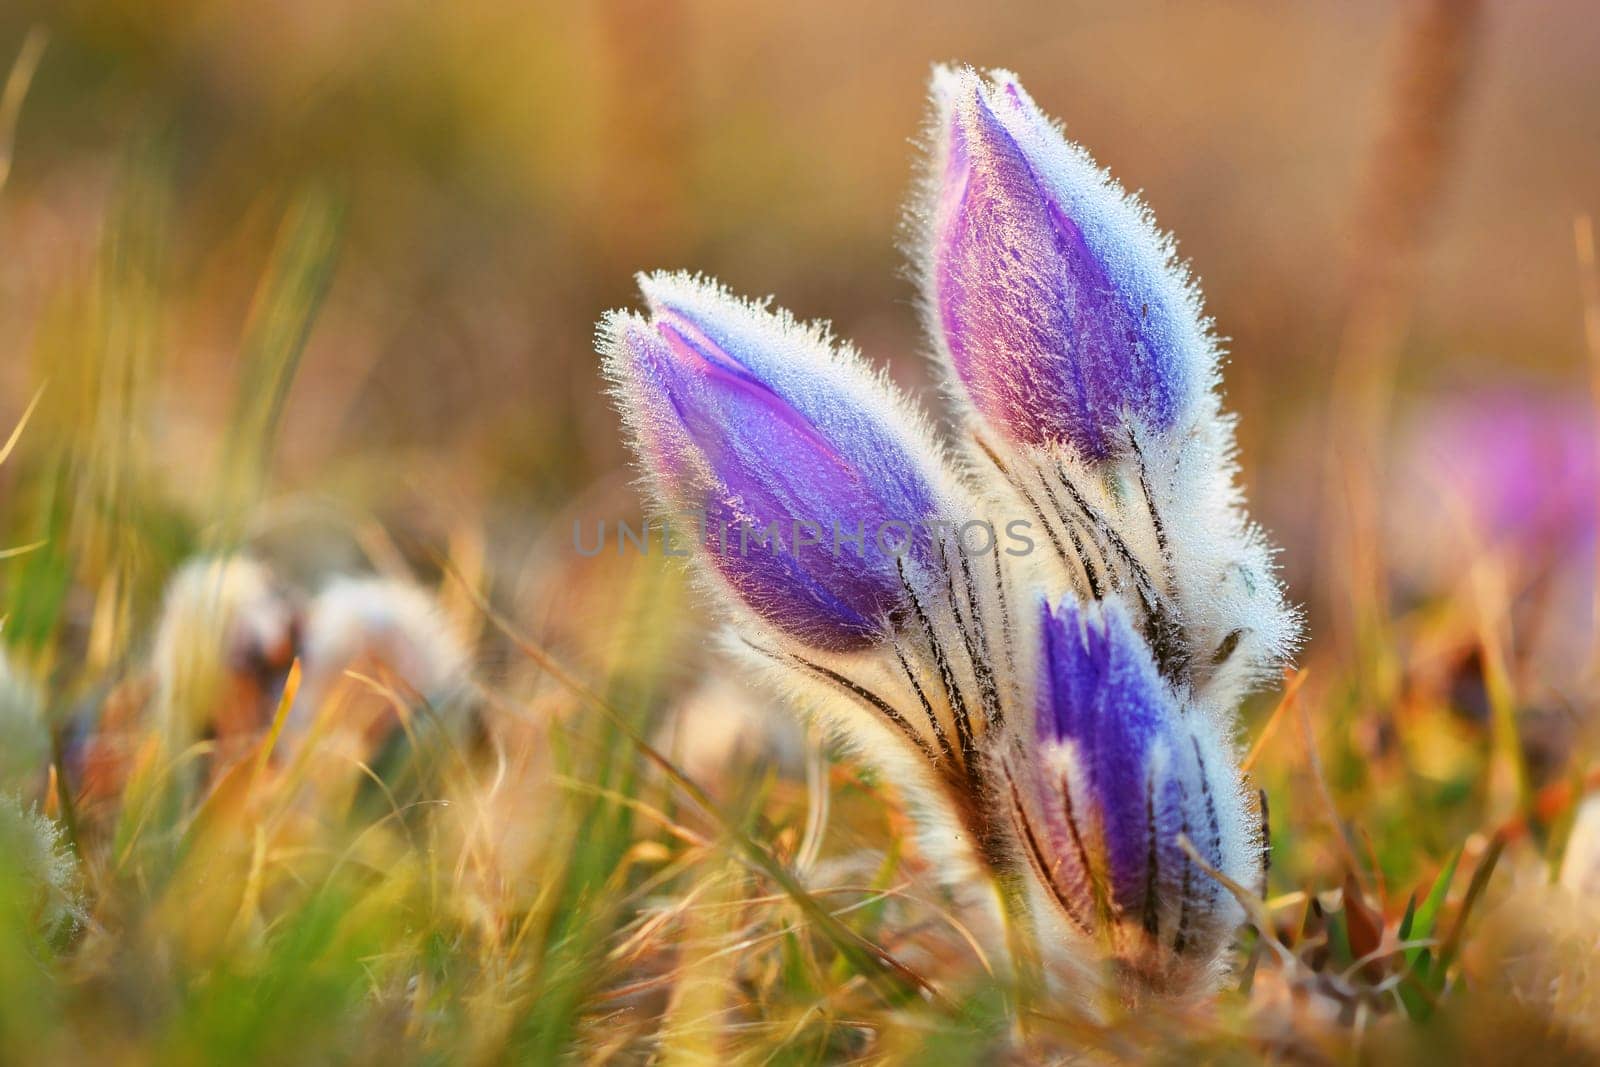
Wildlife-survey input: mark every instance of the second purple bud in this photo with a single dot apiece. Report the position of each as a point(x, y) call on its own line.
point(1052, 296)
point(813, 485)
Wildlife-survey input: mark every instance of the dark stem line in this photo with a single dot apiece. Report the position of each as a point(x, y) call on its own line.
point(1036, 856)
point(1068, 525)
point(1163, 629)
point(1102, 898)
point(927, 708)
point(1005, 617)
point(981, 666)
point(952, 692)
point(1097, 584)
point(862, 693)
point(1211, 814)
point(1266, 842)
point(1098, 523)
point(1180, 940)
point(1150, 503)
point(1096, 589)
point(968, 738)
point(1152, 917)
point(1044, 521)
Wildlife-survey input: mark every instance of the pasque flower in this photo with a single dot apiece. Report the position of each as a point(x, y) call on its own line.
point(760, 426)
point(1118, 773)
point(813, 484)
point(1082, 745)
point(1050, 291)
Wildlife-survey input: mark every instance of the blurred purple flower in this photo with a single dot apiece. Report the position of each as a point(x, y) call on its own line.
point(809, 480)
point(1052, 294)
point(1122, 770)
point(1508, 476)
point(1521, 467)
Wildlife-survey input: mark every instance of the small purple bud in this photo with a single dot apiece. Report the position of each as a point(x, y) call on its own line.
point(795, 454)
point(1052, 295)
point(1121, 772)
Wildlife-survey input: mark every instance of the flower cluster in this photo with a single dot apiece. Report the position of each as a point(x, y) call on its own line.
point(1067, 718)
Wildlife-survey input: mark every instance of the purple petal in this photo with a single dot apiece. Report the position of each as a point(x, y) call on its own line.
point(1101, 694)
point(760, 445)
point(1121, 774)
point(1056, 333)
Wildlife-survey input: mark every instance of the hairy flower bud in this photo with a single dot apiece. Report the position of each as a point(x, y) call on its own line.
point(813, 482)
point(1121, 773)
point(1051, 293)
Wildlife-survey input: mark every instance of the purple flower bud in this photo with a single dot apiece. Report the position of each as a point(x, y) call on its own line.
point(1121, 771)
point(811, 478)
point(1053, 297)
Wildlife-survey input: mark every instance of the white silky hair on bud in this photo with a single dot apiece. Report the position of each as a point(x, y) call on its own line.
point(804, 358)
point(1221, 566)
point(37, 853)
point(221, 616)
point(942, 836)
point(806, 362)
point(1206, 557)
point(1195, 916)
point(1139, 257)
point(382, 626)
point(922, 671)
point(941, 695)
point(1243, 844)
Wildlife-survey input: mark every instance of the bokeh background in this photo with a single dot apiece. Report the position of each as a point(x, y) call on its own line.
point(506, 167)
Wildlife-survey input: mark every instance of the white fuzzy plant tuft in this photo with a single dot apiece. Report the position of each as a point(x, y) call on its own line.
point(1062, 719)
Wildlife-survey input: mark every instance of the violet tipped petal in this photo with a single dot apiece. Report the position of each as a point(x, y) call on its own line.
point(1051, 294)
point(1122, 773)
point(810, 485)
